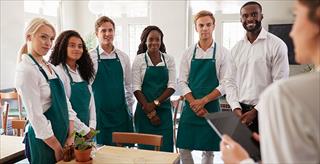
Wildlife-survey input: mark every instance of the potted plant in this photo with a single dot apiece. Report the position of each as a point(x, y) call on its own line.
point(83, 145)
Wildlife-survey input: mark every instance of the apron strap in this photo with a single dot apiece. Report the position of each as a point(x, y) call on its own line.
point(164, 60)
point(98, 54)
point(40, 68)
point(213, 53)
point(68, 73)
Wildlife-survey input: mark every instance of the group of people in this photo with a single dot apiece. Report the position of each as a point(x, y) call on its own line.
point(80, 90)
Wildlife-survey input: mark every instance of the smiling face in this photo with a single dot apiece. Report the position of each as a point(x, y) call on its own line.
point(251, 18)
point(153, 41)
point(75, 49)
point(205, 27)
point(306, 36)
point(105, 34)
point(41, 41)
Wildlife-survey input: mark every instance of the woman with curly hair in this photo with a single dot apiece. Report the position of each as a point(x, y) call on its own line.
point(74, 64)
point(154, 77)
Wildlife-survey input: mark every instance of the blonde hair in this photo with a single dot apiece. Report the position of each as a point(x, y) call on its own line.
point(203, 13)
point(31, 29)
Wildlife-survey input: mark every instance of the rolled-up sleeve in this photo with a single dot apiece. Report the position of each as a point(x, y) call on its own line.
point(184, 74)
point(172, 72)
point(137, 73)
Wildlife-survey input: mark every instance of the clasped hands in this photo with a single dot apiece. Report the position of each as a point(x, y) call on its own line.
point(247, 117)
point(197, 106)
point(150, 110)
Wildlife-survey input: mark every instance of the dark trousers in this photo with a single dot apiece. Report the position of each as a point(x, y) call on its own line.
point(254, 127)
point(27, 148)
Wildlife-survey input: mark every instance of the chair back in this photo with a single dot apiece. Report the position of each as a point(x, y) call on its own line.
point(120, 138)
point(18, 127)
point(7, 96)
point(177, 106)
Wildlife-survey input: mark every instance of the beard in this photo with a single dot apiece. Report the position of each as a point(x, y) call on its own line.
point(253, 29)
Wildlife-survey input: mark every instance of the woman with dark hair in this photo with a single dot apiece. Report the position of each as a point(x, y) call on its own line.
point(290, 109)
point(153, 83)
point(75, 67)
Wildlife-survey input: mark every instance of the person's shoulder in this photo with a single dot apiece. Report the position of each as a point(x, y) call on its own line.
point(189, 50)
point(26, 64)
point(274, 39)
point(122, 54)
point(296, 85)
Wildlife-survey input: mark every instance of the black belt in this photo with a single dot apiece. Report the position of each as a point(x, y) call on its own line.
point(246, 106)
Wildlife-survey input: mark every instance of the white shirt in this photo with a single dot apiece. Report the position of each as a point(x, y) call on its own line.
point(289, 119)
point(77, 78)
point(36, 95)
point(139, 68)
point(252, 67)
point(220, 57)
point(126, 67)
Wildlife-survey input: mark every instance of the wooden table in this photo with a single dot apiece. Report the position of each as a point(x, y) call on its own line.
point(11, 149)
point(120, 155)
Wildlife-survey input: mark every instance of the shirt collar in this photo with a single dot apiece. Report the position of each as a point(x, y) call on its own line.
point(262, 35)
point(71, 70)
point(102, 52)
point(211, 46)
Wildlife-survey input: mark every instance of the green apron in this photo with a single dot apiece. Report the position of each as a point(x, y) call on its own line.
point(57, 114)
point(80, 98)
point(194, 133)
point(154, 83)
point(111, 107)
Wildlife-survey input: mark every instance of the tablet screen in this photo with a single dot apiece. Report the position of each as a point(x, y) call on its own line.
point(228, 123)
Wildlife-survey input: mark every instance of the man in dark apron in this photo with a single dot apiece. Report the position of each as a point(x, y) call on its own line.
point(112, 84)
point(201, 68)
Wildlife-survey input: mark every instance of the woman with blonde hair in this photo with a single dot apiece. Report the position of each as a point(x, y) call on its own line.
point(49, 113)
point(289, 128)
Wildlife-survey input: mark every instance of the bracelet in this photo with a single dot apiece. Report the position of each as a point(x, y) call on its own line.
point(152, 114)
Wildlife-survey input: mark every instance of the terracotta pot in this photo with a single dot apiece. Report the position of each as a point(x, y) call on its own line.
point(82, 156)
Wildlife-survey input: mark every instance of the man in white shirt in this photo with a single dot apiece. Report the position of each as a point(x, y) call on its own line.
point(112, 84)
point(201, 68)
point(256, 61)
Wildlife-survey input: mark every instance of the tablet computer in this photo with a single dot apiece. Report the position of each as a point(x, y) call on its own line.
point(228, 123)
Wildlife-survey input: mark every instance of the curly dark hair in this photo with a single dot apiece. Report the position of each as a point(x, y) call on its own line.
point(59, 55)
point(143, 47)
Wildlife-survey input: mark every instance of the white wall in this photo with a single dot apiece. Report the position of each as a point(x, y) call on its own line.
point(12, 24)
point(170, 16)
point(172, 20)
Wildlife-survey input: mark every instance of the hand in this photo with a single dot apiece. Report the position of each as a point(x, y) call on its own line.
point(238, 112)
point(58, 153)
point(150, 106)
point(256, 136)
point(231, 151)
point(198, 104)
point(248, 117)
point(201, 112)
point(155, 120)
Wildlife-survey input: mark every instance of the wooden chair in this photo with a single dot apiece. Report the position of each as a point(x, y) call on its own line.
point(8, 96)
point(5, 111)
point(18, 127)
point(121, 138)
point(177, 106)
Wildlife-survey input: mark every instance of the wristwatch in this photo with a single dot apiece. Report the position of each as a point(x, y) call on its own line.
point(156, 102)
